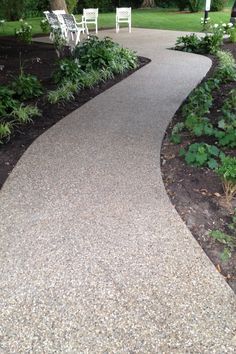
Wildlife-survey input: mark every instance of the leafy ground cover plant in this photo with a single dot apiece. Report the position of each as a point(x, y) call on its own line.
point(26, 86)
point(229, 241)
point(201, 154)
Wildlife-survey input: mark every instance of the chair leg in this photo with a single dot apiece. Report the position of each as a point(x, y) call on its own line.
point(117, 27)
point(129, 27)
point(77, 38)
point(96, 27)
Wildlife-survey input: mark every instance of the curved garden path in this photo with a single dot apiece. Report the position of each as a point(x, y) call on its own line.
point(94, 257)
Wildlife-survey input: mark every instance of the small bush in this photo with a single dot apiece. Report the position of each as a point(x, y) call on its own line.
point(68, 70)
point(7, 102)
point(44, 25)
point(26, 86)
point(217, 5)
point(195, 5)
point(25, 32)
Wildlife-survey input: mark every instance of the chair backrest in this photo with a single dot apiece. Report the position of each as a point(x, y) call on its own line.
point(59, 12)
point(90, 14)
point(69, 21)
point(52, 19)
point(123, 12)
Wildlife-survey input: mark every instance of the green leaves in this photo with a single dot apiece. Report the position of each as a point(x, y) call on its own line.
point(26, 87)
point(228, 240)
point(201, 154)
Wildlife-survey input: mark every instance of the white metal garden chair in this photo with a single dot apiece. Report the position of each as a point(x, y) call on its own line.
point(90, 16)
point(73, 28)
point(123, 15)
point(55, 24)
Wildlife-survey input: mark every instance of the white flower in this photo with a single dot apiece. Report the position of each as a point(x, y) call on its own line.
point(230, 24)
point(30, 27)
point(223, 24)
point(2, 21)
point(26, 23)
point(21, 20)
point(216, 25)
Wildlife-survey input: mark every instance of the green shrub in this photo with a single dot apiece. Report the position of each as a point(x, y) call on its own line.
point(71, 5)
point(189, 43)
point(199, 102)
point(195, 5)
point(26, 86)
point(7, 102)
point(217, 5)
point(210, 43)
point(181, 4)
point(201, 154)
point(68, 70)
point(44, 25)
point(98, 54)
point(25, 32)
point(199, 126)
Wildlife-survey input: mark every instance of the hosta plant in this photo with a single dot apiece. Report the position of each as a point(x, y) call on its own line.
point(26, 86)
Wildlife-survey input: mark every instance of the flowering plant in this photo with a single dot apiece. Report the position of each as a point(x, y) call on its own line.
point(44, 25)
point(24, 33)
point(230, 29)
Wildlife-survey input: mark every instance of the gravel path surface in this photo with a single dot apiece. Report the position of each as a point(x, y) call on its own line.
point(94, 257)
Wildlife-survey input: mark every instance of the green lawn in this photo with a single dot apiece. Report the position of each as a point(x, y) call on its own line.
point(145, 18)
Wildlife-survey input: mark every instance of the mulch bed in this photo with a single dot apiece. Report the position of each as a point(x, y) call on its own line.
point(39, 59)
point(197, 193)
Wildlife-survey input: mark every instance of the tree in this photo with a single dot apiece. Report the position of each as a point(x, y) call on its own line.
point(58, 5)
point(233, 13)
point(148, 3)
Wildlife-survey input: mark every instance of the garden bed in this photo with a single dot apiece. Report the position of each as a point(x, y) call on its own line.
point(197, 193)
point(39, 59)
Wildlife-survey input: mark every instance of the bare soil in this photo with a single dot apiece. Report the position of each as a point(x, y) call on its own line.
point(197, 193)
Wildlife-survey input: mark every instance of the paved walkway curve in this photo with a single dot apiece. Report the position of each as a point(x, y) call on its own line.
point(95, 258)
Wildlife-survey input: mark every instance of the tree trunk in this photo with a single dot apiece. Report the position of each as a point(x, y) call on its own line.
point(58, 5)
point(148, 3)
point(233, 13)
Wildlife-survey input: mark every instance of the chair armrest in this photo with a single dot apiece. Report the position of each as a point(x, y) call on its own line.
point(80, 23)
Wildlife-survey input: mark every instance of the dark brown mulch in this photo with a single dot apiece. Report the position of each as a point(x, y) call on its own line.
point(39, 59)
point(197, 193)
